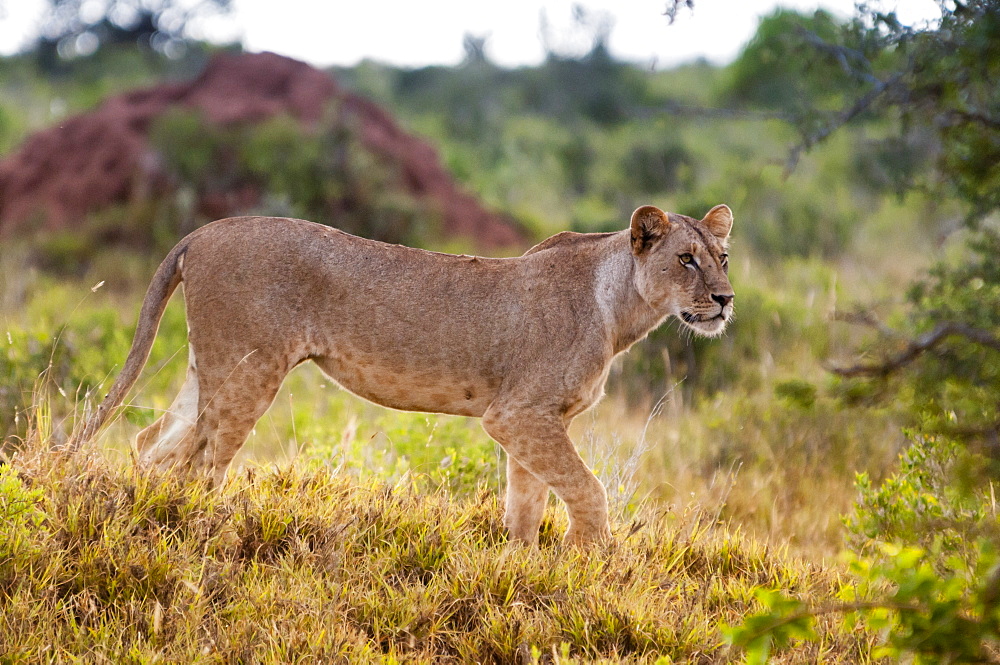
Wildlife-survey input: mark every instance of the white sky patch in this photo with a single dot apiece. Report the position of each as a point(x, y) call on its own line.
point(341, 32)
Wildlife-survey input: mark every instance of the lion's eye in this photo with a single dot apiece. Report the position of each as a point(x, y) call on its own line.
point(686, 259)
point(725, 260)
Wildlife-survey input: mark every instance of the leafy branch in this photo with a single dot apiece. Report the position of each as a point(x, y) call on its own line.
point(788, 619)
point(844, 117)
point(951, 618)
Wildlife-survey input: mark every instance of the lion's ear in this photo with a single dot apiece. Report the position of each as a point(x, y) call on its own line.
point(719, 221)
point(649, 223)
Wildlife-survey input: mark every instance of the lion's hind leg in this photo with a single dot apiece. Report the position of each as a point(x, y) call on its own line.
point(231, 404)
point(169, 441)
point(525, 502)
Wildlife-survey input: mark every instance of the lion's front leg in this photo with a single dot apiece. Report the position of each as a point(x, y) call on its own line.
point(539, 444)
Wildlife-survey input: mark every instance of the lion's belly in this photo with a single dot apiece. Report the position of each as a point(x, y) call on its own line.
point(410, 389)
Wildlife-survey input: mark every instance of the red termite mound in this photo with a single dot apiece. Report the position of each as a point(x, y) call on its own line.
point(103, 157)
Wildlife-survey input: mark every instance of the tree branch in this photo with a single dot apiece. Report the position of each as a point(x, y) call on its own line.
point(977, 117)
point(863, 318)
point(842, 54)
point(918, 346)
point(842, 118)
point(674, 6)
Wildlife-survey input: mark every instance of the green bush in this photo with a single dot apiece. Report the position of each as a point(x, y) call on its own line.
point(927, 576)
point(924, 503)
point(10, 129)
point(929, 572)
point(923, 616)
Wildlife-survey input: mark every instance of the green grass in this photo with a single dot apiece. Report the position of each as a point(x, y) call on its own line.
point(100, 563)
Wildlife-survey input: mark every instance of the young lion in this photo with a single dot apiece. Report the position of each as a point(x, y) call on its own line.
point(525, 343)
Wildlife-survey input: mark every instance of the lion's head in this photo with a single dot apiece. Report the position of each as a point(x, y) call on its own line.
point(682, 266)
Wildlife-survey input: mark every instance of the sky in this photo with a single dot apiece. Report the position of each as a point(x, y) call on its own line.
point(414, 34)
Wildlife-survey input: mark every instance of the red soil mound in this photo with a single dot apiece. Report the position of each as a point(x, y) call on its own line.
point(103, 157)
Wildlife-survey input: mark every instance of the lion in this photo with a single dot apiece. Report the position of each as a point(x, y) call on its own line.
point(524, 343)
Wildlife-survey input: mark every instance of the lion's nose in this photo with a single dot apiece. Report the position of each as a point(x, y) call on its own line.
point(722, 300)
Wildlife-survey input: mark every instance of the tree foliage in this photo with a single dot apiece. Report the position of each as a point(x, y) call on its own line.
point(930, 92)
point(771, 74)
point(939, 81)
point(72, 28)
point(933, 85)
point(943, 78)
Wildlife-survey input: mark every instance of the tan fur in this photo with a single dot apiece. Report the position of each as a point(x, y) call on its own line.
point(525, 343)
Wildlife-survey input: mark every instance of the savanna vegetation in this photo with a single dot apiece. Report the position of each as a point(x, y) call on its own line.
point(852, 406)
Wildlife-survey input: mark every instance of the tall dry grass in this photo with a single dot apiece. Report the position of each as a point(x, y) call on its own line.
point(100, 562)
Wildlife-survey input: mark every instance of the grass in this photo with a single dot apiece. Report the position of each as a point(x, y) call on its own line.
point(304, 564)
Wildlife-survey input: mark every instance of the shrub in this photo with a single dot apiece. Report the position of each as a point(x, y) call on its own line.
point(923, 616)
point(928, 575)
point(924, 503)
point(20, 519)
point(771, 72)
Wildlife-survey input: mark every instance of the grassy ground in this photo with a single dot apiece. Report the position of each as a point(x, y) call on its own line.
point(304, 564)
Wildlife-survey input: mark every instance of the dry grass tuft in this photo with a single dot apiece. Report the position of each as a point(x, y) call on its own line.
point(102, 563)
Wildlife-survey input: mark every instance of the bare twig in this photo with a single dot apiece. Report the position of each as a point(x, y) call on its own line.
point(674, 6)
point(978, 117)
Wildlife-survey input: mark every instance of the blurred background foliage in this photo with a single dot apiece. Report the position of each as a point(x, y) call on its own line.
point(861, 158)
point(324, 174)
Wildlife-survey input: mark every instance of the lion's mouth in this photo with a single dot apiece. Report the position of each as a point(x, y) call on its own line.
point(688, 317)
point(705, 324)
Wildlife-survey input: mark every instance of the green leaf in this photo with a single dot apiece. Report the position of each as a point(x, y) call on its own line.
point(758, 650)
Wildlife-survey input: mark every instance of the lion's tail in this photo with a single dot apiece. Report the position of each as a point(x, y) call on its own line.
point(165, 281)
